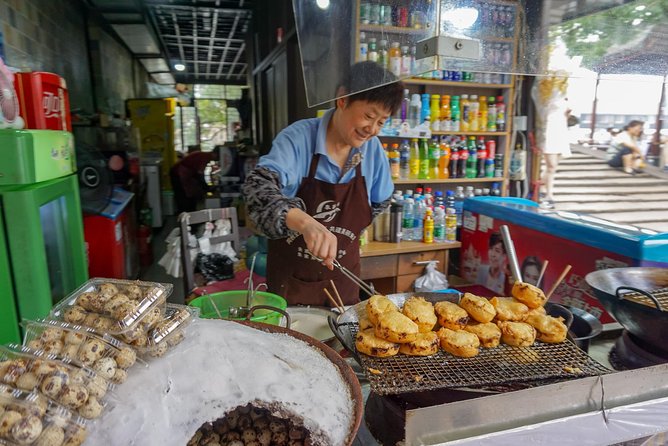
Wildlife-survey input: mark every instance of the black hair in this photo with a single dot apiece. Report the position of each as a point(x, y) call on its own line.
point(633, 123)
point(494, 239)
point(531, 261)
point(362, 78)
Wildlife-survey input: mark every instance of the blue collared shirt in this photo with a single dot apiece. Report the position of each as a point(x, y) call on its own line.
point(293, 149)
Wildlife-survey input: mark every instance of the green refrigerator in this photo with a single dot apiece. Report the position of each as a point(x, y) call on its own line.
point(42, 251)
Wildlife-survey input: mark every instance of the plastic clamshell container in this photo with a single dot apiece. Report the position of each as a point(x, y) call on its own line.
point(92, 305)
point(75, 387)
point(81, 344)
point(33, 419)
point(169, 332)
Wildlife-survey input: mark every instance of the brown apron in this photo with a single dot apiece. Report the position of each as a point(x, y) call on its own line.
point(344, 210)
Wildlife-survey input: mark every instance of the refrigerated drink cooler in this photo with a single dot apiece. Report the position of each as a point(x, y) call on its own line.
point(564, 238)
point(42, 255)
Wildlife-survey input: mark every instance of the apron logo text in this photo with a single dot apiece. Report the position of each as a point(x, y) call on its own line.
point(327, 210)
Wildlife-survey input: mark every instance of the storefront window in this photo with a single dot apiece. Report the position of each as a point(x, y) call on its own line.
point(217, 112)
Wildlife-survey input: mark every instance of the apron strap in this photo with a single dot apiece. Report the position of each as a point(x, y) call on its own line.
point(314, 165)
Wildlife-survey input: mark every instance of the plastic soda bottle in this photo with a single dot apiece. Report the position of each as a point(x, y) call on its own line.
point(482, 157)
point(439, 224)
point(491, 115)
point(363, 48)
point(455, 114)
point(454, 160)
point(435, 113)
point(500, 114)
point(434, 158)
point(444, 160)
point(404, 160)
point(407, 220)
point(466, 110)
point(463, 159)
point(394, 56)
point(428, 227)
point(472, 161)
point(394, 161)
point(459, 204)
point(423, 173)
point(474, 109)
point(382, 54)
point(445, 113)
point(450, 224)
point(482, 114)
point(372, 53)
point(414, 160)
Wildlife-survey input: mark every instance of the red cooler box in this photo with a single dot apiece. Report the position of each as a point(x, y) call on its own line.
point(110, 239)
point(564, 238)
point(43, 101)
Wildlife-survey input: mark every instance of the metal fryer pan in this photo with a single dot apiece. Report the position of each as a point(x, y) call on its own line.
point(649, 323)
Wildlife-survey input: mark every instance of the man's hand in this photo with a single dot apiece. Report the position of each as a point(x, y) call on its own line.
point(319, 240)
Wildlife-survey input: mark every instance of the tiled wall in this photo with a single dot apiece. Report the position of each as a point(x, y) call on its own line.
point(50, 35)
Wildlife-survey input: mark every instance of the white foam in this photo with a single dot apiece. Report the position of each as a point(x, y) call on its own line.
point(219, 366)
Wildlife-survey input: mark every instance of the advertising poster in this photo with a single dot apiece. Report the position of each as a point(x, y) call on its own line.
point(484, 261)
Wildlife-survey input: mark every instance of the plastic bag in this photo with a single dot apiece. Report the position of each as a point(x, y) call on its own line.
point(431, 280)
point(214, 266)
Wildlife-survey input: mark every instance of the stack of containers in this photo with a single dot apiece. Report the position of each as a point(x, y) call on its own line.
point(64, 375)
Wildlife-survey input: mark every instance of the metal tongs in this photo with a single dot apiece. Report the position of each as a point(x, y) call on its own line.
point(243, 311)
point(366, 287)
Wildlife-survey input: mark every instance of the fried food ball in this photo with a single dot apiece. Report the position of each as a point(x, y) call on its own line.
point(478, 307)
point(421, 312)
point(91, 409)
point(459, 342)
point(75, 314)
point(395, 327)
point(450, 315)
point(126, 357)
point(91, 351)
point(549, 329)
point(376, 305)
point(7, 421)
point(108, 290)
point(426, 344)
point(27, 381)
point(52, 435)
point(489, 334)
point(73, 396)
point(509, 309)
point(529, 295)
point(134, 292)
point(105, 367)
point(364, 323)
point(368, 343)
point(517, 334)
point(533, 311)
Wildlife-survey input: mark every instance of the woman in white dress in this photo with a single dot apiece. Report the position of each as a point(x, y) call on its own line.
point(549, 96)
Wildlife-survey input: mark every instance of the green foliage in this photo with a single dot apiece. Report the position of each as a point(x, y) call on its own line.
point(596, 35)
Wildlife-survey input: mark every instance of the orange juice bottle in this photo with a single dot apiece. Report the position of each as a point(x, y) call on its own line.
point(444, 161)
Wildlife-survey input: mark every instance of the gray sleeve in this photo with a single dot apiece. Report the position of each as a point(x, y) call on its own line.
point(266, 205)
point(378, 208)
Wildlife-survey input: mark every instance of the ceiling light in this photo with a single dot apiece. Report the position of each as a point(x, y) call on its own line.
point(322, 4)
point(179, 67)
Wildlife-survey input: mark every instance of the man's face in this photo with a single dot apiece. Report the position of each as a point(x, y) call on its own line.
point(360, 120)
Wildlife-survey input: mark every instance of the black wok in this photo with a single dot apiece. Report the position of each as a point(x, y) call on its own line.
point(647, 323)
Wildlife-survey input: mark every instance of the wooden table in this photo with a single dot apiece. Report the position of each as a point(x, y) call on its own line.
point(393, 267)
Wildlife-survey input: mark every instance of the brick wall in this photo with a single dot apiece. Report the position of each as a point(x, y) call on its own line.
point(50, 35)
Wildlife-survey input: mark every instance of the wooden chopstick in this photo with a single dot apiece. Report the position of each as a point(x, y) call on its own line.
point(336, 293)
point(542, 272)
point(336, 305)
point(559, 280)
